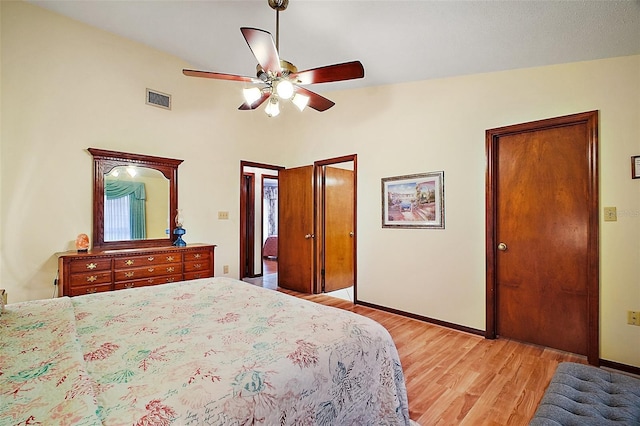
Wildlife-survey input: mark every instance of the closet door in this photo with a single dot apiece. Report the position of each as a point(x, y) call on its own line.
point(339, 228)
point(295, 229)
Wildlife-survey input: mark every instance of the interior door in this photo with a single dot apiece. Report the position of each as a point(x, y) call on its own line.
point(247, 229)
point(338, 228)
point(296, 229)
point(542, 233)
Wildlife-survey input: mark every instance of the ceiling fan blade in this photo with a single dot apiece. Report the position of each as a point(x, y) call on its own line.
point(247, 107)
point(317, 102)
point(330, 73)
point(263, 48)
point(220, 76)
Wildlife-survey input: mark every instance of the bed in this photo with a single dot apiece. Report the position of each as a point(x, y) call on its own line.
point(211, 351)
point(270, 247)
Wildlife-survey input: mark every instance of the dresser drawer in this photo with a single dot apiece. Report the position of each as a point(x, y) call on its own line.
point(90, 278)
point(197, 256)
point(197, 265)
point(89, 265)
point(196, 275)
point(88, 289)
point(146, 260)
point(147, 271)
point(165, 279)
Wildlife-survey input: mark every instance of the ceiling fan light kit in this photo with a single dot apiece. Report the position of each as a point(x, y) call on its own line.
point(273, 107)
point(279, 79)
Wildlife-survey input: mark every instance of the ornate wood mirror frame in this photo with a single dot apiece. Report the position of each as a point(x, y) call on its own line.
point(103, 162)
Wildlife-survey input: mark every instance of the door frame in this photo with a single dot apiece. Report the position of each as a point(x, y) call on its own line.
point(246, 227)
point(319, 219)
point(590, 119)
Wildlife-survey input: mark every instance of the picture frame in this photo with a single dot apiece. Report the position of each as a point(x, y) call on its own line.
point(635, 167)
point(413, 201)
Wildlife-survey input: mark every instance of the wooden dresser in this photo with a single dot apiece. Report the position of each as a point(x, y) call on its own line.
point(108, 270)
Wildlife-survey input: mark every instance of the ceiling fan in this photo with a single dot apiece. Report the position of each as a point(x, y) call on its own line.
point(278, 79)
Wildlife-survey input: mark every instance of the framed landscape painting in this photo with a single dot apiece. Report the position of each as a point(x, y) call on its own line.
point(413, 201)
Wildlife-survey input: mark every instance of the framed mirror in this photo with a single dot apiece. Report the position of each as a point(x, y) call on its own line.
point(135, 200)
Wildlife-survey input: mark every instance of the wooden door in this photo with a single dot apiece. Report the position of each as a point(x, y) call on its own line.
point(542, 233)
point(296, 229)
point(247, 229)
point(338, 228)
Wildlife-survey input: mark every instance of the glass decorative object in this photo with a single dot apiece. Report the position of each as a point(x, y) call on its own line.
point(179, 230)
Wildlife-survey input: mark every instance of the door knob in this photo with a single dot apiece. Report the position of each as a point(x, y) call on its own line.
point(351, 234)
point(502, 247)
point(309, 236)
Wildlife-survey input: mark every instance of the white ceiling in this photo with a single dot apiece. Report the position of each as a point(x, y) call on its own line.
point(395, 40)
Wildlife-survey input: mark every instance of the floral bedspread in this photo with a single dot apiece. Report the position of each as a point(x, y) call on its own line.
point(218, 351)
point(43, 378)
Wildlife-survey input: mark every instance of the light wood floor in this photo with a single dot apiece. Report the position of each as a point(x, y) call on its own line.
point(455, 378)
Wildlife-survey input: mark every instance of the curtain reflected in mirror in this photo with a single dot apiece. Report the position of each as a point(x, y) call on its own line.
point(136, 204)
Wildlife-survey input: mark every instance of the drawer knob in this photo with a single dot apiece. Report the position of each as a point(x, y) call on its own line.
point(169, 258)
point(92, 265)
point(92, 290)
point(129, 274)
point(151, 269)
point(197, 256)
point(170, 269)
point(197, 265)
point(150, 258)
point(129, 285)
point(128, 262)
point(170, 280)
point(91, 278)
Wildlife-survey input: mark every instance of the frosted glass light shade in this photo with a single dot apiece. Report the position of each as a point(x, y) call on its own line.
point(284, 89)
point(300, 101)
point(273, 108)
point(251, 94)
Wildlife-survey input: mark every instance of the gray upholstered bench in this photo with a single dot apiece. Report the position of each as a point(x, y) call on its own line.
point(583, 395)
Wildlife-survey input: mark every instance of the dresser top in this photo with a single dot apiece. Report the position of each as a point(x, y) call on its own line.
point(128, 252)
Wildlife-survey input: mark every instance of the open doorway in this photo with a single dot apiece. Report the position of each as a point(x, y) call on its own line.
point(258, 220)
point(298, 227)
point(317, 230)
point(269, 237)
point(337, 226)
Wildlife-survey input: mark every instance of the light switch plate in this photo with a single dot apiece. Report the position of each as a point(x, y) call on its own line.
point(223, 215)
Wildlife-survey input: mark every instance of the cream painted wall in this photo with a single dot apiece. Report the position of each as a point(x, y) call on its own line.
point(71, 87)
point(440, 125)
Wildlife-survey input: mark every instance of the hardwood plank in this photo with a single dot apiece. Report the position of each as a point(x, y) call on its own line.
point(457, 378)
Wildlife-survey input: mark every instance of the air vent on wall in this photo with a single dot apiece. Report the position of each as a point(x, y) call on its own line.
point(158, 99)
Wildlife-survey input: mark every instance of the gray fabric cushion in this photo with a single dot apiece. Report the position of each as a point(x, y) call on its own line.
point(583, 395)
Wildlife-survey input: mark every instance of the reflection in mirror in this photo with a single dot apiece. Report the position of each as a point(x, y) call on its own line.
point(136, 204)
point(135, 198)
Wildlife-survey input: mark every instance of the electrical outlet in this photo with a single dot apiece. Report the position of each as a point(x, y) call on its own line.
point(225, 269)
point(223, 215)
point(610, 214)
point(633, 317)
